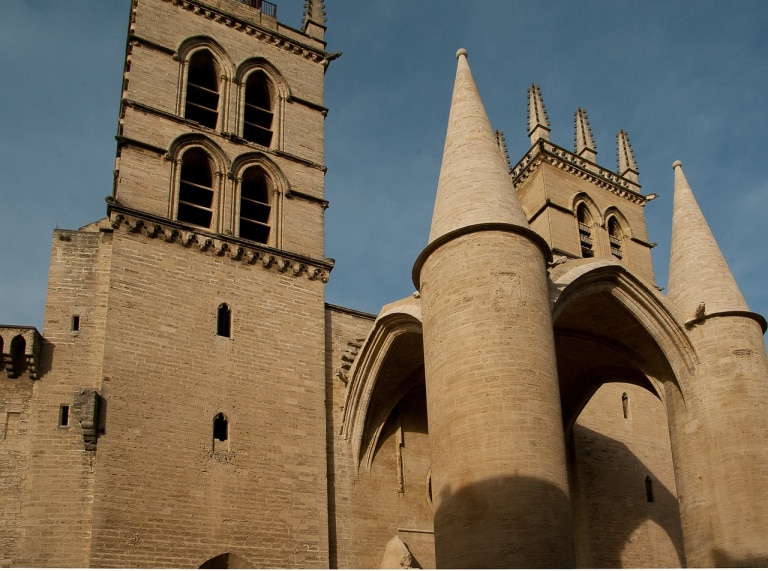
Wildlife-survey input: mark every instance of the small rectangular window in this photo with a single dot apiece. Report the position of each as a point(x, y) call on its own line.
point(64, 415)
point(75, 323)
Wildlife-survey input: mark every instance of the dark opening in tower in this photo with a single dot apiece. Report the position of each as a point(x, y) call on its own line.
point(254, 205)
point(202, 89)
point(257, 112)
point(585, 231)
point(196, 188)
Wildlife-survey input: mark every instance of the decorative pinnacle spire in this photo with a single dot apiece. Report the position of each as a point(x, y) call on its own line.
point(538, 122)
point(474, 185)
point(625, 158)
point(314, 13)
point(585, 144)
point(698, 272)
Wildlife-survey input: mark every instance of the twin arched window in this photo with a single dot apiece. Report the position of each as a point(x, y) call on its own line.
point(585, 224)
point(204, 95)
point(197, 189)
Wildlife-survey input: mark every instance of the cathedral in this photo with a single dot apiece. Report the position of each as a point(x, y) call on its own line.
point(193, 401)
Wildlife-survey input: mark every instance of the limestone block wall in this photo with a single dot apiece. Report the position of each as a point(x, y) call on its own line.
point(167, 493)
point(370, 505)
point(56, 468)
point(623, 483)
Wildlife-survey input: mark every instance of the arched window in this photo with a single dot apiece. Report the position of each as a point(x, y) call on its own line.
point(257, 109)
point(220, 428)
point(614, 237)
point(196, 188)
point(255, 208)
point(585, 231)
point(224, 321)
point(202, 89)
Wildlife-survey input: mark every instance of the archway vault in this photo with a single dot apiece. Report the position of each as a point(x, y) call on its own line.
point(389, 365)
point(609, 325)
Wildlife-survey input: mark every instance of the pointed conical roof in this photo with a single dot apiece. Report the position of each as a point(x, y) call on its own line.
point(585, 144)
point(625, 158)
point(474, 185)
point(698, 272)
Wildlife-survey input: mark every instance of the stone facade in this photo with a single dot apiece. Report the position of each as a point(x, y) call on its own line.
point(194, 402)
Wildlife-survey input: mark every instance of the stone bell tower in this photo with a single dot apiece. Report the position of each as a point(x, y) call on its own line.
point(187, 328)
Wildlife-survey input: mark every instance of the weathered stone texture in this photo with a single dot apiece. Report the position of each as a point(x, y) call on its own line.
point(194, 401)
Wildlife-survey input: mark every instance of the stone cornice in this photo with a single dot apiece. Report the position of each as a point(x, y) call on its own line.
point(484, 227)
point(308, 197)
point(122, 140)
point(233, 248)
point(259, 32)
point(699, 319)
point(544, 151)
point(134, 40)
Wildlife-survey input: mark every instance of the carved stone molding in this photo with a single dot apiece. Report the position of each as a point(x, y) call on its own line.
point(260, 33)
point(558, 157)
point(235, 249)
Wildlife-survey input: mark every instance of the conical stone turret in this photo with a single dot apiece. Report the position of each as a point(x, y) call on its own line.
point(474, 185)
point(694, 252)
point(495, 421)
point(719, 427)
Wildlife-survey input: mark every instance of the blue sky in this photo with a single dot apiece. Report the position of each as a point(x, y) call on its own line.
point(686, 80)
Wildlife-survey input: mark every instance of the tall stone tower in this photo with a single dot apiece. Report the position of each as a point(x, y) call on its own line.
point(483, 284)
point(188, 327)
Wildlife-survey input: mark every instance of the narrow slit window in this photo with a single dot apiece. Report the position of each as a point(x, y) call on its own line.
point(257, 109)
point(196, 189)
point(585, 231)
point(75, 323)
point(64, 415)
point(224, 321)
point(255, 209)
point(649, 489)
point(220, 428)
point(614, 237)
point(202, 89)
point(625, 405)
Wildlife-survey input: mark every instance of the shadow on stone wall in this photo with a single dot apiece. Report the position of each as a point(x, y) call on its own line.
point(614, 502)
point(508, 522)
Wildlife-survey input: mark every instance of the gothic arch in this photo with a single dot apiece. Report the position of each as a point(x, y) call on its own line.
point(631, 327)
point(262, 93)
point(277, 188)
point(583, 198)
point(389, 365)
point(187, 48)
point(247, 67)
point(176, 151)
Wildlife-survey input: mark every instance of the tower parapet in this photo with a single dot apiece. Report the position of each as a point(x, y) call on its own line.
point(582, 209)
